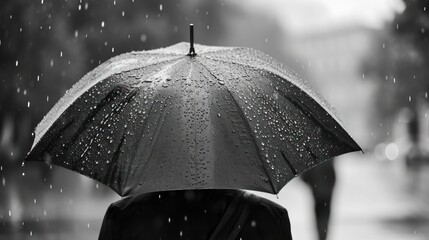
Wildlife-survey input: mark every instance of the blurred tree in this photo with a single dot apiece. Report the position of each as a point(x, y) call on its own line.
point(400, 61)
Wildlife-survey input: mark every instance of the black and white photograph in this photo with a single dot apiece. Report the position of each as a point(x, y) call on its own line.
point(214, 120)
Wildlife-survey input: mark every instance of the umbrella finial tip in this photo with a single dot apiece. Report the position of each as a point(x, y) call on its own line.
point(191, 36)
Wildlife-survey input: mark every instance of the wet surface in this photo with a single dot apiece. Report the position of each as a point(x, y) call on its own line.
point(381, 205)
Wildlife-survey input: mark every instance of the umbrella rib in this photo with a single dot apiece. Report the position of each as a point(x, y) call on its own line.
point(89, 118)
point(241, 112)
point(300, 105)
point(60, 107)
point(113, 169)
point(162, 115)
point(254, 139)
point(289, 163)
point(279, 74)
point(140, 139)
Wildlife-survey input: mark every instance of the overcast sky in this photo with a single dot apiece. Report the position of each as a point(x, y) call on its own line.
point(301, 16)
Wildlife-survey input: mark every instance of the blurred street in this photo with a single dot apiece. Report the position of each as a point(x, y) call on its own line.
point(380, 205)
point(384, 204)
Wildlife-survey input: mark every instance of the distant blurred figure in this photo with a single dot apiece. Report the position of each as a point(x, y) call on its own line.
point(415, 156)
point(213, 214)
point(321, 181)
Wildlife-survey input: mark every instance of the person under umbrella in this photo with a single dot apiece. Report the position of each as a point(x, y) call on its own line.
point(215, 118)
point(196, 214)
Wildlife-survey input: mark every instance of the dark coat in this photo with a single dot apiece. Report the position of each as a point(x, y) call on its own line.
point(197, 214)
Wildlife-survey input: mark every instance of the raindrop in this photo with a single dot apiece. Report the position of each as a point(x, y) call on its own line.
point(409, 98)
point(160, 7)
point(113, 49)
point(76, 33)
point(28, 104)
point(143, 38)
point(123, 13)
point(3, 181)
point(61, 54)
point(47, 98)
point(253, 223)
point(218, 114)
point(102, 24)
point(10, 213)
point(169, 220)
point(41, 1)
point(181, 233)
point(88, 225)
point(394, 80)
point(79, 7)
point(31, 233)
point(52, 63)
point(35, 201)
point(16, 63)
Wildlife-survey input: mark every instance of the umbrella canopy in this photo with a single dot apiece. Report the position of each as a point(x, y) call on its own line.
point(159, 120)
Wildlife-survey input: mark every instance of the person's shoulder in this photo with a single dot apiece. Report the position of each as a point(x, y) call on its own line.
point(132, 200)
point(263, 204)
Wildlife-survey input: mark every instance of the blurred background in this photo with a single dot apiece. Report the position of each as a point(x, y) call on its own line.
point(367, 58)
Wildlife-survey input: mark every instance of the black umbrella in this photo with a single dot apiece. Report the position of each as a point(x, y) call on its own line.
point(217, 117)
